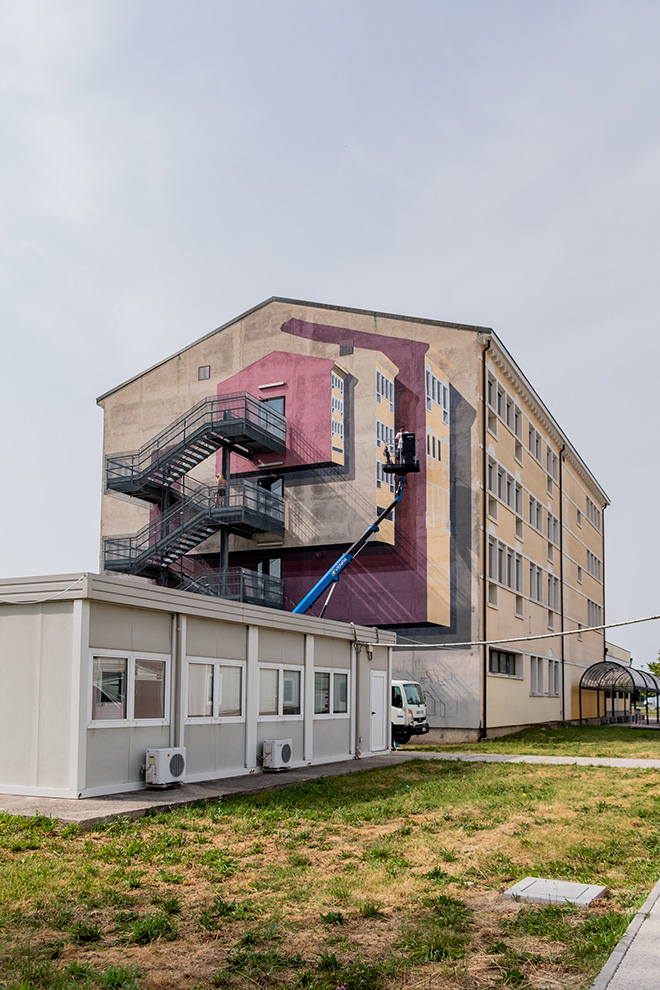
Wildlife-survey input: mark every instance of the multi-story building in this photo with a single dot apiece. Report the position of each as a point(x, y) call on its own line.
point(499, 537)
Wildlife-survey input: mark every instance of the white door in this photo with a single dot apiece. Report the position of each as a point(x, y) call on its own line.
point(378, 698)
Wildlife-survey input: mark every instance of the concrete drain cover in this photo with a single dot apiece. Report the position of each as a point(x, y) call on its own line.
point(554, 891)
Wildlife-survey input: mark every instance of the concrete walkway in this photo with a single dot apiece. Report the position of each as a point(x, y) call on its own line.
point(635, 962)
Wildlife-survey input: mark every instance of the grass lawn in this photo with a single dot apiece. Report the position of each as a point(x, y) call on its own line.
point(584, 740)
point(377, 880)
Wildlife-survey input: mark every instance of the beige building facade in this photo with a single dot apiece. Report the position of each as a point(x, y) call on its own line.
point(499, 537)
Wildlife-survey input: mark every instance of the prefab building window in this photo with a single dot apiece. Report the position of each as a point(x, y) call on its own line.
point(330, 692)
point(200, 690)
point(109, 690)
point(280, 692)
point(149, 689)
point(215, 690)
point(129, 688)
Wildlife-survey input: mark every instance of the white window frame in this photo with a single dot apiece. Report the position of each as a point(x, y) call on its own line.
point(281, 667)
point(332, 714)
point(130, 657)
point(215, 663)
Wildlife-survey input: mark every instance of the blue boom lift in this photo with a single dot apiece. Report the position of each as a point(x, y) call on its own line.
point(404, 464)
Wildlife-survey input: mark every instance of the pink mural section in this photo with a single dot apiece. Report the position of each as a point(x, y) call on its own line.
point(384, 585)
point(306, 389)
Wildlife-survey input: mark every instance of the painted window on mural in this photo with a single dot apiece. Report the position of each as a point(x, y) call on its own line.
point(384, 389)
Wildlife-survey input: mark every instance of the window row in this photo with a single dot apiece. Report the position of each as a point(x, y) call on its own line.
point(504, 485)
point(502, 662)
point(384, 389)
point(437, 391)
point(338, 405)
point(504, 565)
point(504, 406)
point(506, 409)
point(337, 428)
point(337, 382)
point(132, 688)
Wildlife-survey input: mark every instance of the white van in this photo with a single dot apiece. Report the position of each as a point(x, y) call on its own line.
point(408, 711)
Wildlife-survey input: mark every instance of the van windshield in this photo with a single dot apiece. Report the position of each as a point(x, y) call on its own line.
point(414, 695)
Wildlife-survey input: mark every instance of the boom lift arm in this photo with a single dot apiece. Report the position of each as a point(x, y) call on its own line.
point(331, 577)
point(405, 462)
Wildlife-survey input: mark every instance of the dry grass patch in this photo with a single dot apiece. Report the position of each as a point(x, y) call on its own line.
point(393, 877)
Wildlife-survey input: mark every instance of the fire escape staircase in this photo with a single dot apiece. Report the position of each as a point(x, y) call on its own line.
point(239, 422)
point(191, 511)
point(244, 509)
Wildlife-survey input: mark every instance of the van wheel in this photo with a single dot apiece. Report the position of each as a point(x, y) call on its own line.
point(403, 737)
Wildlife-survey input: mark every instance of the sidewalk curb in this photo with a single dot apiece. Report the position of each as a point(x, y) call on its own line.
point(609, 969)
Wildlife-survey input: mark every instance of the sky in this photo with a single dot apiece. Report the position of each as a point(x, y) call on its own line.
point(167, 165)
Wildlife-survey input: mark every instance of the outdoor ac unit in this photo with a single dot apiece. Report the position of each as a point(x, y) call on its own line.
point(277, 754)
point(165, 766)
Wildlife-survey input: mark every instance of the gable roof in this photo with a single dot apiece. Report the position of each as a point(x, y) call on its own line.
point(295, 302)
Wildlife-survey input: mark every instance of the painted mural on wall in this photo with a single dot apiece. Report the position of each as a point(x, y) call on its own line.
point(345, 394)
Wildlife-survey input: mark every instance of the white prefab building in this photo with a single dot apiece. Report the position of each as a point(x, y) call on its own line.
point(98, 670)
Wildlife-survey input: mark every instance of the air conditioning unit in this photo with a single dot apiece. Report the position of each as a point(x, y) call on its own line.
point(165, 766)
point(276, 754)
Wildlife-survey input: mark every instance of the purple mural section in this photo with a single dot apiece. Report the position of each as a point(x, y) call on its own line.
point(306, 390)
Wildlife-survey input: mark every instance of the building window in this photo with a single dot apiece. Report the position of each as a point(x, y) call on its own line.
point(536, 680)
point(330, 692)
point(272, 566)
point(276, 403)
point(535, 583)
point(593, 565)
point(280, 692)
point(579, 574)
point(553, 677)
point(594, 613)
point(203, 372)
point(593, 513)
point(215, 690)
point(129, 688)
point(578, 517)
point(535, 514)
point(501, 662)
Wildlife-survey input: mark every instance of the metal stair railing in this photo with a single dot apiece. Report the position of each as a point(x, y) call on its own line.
point(238, 584)
point(239, 421)
point(243, 507)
